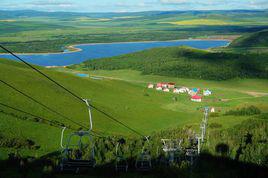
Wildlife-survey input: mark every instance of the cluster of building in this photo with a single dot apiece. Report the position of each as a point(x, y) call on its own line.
point(195, 93)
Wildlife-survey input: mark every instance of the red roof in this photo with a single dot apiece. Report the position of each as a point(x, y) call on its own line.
point(196, 97)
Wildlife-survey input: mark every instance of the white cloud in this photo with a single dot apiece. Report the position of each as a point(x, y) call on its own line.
point(131, 5)
point(50, 3)
point(215, 4)
point(174, 1)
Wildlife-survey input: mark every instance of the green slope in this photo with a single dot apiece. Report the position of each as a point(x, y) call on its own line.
point(126, 99)
point(257, 39)
point(186, 63)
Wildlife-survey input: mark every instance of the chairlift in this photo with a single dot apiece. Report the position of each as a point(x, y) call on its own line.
point(121, 163)
point(191, 155)
point(73, 154)
point(144, 160)
point(171, 147)
point(192, 152)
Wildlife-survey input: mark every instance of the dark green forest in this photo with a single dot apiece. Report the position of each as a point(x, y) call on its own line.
point(240, 151)
point(258, 39)
point(186, 62)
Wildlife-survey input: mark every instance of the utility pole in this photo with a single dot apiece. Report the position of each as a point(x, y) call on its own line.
point(198, 145)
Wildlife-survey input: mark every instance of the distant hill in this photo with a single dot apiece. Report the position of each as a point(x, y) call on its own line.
point(257, 39)
point(28, 31)
point(186, 63)
point(163, 14)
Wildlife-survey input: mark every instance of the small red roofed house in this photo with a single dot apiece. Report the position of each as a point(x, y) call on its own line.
point(171, 85)
point(166, 85)
point(162, 84)
point(196, 98)
point(159, 85)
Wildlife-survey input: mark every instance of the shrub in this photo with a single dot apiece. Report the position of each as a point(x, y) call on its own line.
point(214, 114)
point(215, 125)
point(263, 116)
point(17, 143)
point(245, 111)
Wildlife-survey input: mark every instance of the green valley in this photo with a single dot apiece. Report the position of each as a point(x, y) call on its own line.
point(133, 97)
point(37, 32)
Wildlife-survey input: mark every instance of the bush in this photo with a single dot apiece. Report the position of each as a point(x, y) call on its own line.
point(245, 111)
point(214, 114)
point(263, 116)
point(18, 143)
point(215, 125)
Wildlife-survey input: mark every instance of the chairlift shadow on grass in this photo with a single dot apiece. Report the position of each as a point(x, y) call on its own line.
point(205, 166)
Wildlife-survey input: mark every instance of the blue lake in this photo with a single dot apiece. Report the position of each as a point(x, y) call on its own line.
point(82, 75)
point(94, 51)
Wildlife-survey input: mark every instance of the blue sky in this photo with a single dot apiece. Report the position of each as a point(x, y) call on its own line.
point(130, 5)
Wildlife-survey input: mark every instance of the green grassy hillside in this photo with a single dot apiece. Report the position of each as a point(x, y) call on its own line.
point(186, 63)
point(258, 39)
point(123, 94)
point(127, 100)
point(115, 97)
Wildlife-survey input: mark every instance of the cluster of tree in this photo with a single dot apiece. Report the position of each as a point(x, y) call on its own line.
point(257, 39)
point(240, 151)
point(246, 142)
point(17, 143)
point(186, 63)
point(244, 111)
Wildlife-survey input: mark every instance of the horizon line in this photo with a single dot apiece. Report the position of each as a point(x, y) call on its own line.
point(135, 11)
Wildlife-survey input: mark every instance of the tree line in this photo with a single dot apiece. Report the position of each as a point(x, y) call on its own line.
point(185, 62)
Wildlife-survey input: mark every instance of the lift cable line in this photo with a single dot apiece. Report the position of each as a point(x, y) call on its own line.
point(28, 113)
point(36, 116)
point(36, 101)
point(48, 108)
point(70, 92)
point(46, 76)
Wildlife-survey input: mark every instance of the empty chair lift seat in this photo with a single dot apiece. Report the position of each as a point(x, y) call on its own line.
point(143, 163)
point(75, 164)
point(121, 164)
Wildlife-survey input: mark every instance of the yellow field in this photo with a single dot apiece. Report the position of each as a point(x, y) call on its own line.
point(127, 17)
point(7, 20)
point(86, 19)
point(200, 22)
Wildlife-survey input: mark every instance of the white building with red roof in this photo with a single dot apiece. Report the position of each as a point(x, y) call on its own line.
point(196, 98)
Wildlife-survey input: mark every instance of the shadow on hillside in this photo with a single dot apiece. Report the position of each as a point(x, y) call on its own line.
point(205, 166)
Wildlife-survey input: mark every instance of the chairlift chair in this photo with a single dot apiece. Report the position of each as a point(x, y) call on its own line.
point(144, 160)
point(121, 163)
point(191, 155)
point(170, 147)
point(73, 159)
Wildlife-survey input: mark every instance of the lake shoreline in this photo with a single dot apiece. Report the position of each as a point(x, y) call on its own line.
point(74, 48)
